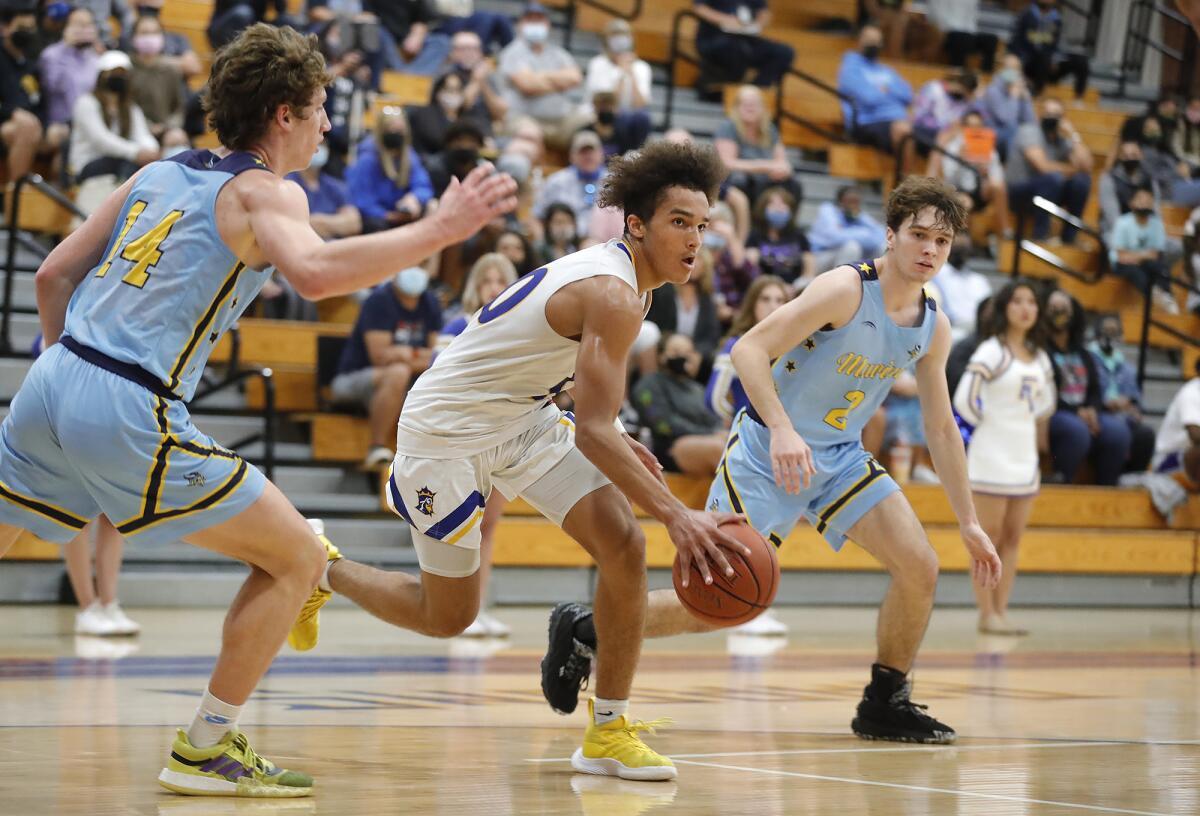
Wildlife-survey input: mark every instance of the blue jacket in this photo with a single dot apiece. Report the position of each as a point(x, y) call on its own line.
point(881, 94)
point(832, 229)
point(373, 192)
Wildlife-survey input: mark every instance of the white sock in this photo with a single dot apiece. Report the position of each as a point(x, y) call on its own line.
point(324, 582)
point(607, 710)
point(214, 719)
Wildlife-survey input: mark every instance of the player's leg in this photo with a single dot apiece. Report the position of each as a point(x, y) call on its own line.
point(991, 512)
point(1016, 517)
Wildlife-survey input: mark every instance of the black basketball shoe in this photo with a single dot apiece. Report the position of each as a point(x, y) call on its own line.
point(568, 662)
point(887, 713)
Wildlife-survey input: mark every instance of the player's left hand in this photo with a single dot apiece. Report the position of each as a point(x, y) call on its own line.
point(985, 563)
point(647, 458)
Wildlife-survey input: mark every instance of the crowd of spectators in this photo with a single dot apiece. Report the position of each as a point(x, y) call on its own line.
point(99, 89)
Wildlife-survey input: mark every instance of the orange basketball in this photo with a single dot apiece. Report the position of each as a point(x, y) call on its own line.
point(732, 601)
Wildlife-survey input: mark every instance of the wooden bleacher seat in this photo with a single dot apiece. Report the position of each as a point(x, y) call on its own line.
point(277, 342)
point(849, 161)
point(405, 89)
point(1186, 324)
point(1109, 294)
point(39, 213)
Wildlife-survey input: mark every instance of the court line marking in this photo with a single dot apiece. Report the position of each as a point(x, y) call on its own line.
point(924, 789)
point(897, 749)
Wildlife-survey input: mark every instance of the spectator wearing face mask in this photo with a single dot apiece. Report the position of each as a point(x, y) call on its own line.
point(1049, 159)
point(618, 90)
point(481, 88)
point(879, 116)
point(1173, 176)
point(447, 106)
point(156, 85)
point(537, 78)
point(1127, 175)
point(842, 233)
point(21, 108)
point(176, 51)
point(732, 267)
point(688, 438)
point(462, 142)
point(560, 234)
point(941, 104)
point(1164, 111)
point(68, 68)
point(578, 184)
point(388, 182)
point(330, 212)
point(1037, 34)
point(1137, 247)
point(1006, 103)
point(1185, 142)
point(1119, 390)
point(776, 245)
point(391, 344)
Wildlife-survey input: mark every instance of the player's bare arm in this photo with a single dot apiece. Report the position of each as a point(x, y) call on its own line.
point(949, 456)
point(606, 314)
point(831, 299)
point(279, 233)
point(68, 264)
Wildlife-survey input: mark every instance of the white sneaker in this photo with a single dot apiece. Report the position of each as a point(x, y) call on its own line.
point(765, 625)
point(379, 456)
point(317, 525)
point(477, 629)
point(1165, 300)
point(922, 474)
point(495, 628)
point(94, 621)
point(122, 625)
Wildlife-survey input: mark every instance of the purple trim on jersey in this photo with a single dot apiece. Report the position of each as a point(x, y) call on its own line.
point(234, 163)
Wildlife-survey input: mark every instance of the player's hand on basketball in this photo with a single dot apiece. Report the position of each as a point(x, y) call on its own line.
point(648, 459)
point(985, 563)
point(699, 539)
point(468, 205)
point(791, 460)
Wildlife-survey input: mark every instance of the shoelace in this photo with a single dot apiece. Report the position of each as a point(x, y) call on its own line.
point(649, 726)
point(249, 758)
point(901, 699)
point(577, 669)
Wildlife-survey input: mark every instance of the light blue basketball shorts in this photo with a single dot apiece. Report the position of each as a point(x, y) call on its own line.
point(848, 483)
point(80, 440)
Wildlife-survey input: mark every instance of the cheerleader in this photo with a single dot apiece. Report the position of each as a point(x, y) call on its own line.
point(1007, 390)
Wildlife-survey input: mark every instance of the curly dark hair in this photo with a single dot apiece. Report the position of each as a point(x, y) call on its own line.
point(263, 68)
point(637, 182)
point(916, 193)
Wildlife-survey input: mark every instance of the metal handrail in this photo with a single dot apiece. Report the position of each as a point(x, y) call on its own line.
point(1045, 255)
point(572, 10)
point(933, 148)
point(10, 261)
point(267, 436)
point(1138, 39)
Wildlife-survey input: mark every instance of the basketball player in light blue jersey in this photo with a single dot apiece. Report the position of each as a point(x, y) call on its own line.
point(815, 371)
point(131, 305)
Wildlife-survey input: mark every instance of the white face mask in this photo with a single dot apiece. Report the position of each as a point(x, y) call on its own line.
point(536, 33)
point(412, 281)
point(620, 43)
point(451, 100)
point(320, 158)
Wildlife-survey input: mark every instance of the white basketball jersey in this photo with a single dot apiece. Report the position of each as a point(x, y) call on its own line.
point(499, 377)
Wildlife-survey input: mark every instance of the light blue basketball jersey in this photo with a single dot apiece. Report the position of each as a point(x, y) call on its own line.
point(168, 287)
point(834, 381)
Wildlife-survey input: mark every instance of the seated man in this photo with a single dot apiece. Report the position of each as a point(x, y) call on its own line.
point(1036, 35)
point(728, 37)
point(578, 184)
point(1137, 250)
point(1049, 159)
point(459, 154)
point(879, 115)
point(537, 78)
point(843, 233)
point(1127, 175)
point(1177, 447)
point(391, 344)
point(20, 125)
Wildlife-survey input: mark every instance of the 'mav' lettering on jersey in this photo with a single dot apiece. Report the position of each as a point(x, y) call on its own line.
point(496, 378)
point(168, 287)
point(834, 381)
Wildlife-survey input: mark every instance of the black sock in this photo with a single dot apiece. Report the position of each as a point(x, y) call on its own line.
point(885, 681)
point(585, 631)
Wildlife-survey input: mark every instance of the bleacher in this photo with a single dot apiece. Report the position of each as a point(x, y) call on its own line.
point(1088, 533)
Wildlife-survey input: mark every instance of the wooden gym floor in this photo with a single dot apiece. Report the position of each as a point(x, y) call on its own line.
point(1095, 712)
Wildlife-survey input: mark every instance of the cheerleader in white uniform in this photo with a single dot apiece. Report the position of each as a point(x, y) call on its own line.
point(1007, 390)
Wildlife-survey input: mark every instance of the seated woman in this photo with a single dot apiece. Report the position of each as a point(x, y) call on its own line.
point(776, 245)
point(388, 183)
point(110, 139)
point(688, 438)
point(750, 146)
point(560, 235)
point(430, 122)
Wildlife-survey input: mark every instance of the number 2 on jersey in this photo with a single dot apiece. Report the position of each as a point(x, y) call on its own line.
point(143, 252)
point(838, 416)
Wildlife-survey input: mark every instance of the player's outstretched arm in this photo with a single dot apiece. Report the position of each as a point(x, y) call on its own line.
point(611, 318)
point(949, 457)
point(832, 298)
point(278, 212)
point(69, 262)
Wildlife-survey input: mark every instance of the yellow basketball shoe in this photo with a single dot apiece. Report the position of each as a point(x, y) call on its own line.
point(229, 768)
point(303, 635)
point(615, 749)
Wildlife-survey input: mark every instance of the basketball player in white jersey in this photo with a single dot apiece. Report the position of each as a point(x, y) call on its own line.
point(483, 416)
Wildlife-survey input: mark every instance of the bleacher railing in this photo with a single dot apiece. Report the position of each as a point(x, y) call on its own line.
point(932, 147)
point(572, 10)
point(235, 374)
point(1138, 41)
point(1149, 321)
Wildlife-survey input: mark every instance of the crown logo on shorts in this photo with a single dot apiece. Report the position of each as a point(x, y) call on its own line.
point(425, 500)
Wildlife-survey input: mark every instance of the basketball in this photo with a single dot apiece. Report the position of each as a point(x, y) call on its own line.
point(733, 601)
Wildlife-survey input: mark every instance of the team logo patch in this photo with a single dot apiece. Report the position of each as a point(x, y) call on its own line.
point(194, 479)
point(914, 351)
point(425, 501)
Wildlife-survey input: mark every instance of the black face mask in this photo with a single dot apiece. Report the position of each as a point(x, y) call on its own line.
point(957, 96)
point(1131, 165)
point(606, 117)
point(1106, 345)
point(22, 39)
point(394, 141)
point(84, 46)
point(461, 159)
point(1143, 212)
point(871, 52)
point(1050, 125)
point(117, 84)
point(148, 11)
point(677, 365)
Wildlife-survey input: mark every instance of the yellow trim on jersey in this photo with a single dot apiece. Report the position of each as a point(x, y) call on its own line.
point(874, 471)
point(41, 507)
point(227, 287)
point(731, 489)
point(466, 528)
point(229, 487)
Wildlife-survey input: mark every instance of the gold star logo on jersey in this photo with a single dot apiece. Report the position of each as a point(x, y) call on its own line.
point(791, 367)
point(810, 344)
point(914, 351)
point(864, 266)
point(425, 500)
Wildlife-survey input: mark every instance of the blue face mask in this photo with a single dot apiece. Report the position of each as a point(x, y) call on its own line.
point(778, 219)
point(412, 281)
point(320, 158)
point(714, 240)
